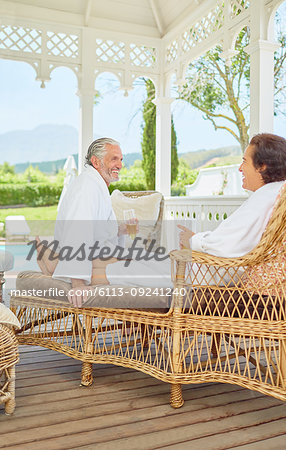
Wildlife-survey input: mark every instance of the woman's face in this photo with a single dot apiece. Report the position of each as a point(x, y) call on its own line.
point(251, 177)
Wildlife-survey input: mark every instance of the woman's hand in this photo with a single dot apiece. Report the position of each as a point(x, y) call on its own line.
point(185, 235)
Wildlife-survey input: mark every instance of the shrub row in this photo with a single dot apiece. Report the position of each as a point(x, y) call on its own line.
point(44, 194)
point(127, 186)
point(31, 194)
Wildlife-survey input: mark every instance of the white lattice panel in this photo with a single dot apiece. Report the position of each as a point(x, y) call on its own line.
point(201, 30)
point(109, 51)
point(62, 44)
point(238, 6)
point(20, 39)
point(142, 56)
point(172, 52)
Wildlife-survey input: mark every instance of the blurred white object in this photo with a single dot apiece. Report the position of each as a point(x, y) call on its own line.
point(223, 180)
point(71, 173)
point(17, 227)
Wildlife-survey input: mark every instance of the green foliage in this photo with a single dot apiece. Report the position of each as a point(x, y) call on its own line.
point(60, 176)
point(221, 91)
point(33, 194)
point(6, 168)
point(149, 139)
point(185, 176)
point(34, 175)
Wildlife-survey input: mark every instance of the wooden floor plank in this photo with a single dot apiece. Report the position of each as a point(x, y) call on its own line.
point(242, 438)
point(105, 429)
point(127, 409)
point(147, 410)
point(276, 443)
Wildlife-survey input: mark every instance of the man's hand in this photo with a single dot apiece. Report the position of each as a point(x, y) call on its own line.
point(185, 235)
point(78, 294)
point(122, 228)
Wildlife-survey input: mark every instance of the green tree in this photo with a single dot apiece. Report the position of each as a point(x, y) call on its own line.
point(34, 175)
point(221, 91)
point(149, 139)
point(186, 175)
point(6, 168)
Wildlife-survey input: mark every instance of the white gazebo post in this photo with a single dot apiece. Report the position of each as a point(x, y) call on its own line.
point(86, 94)
point(163, 144)
point(261, 51)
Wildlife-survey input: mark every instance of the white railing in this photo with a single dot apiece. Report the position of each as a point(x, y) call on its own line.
point(197, 213)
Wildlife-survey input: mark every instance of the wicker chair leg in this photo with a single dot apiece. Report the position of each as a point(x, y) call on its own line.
point(86, 374)
point(176, 396)
point(11, 403)
point(282, 358)
point(215, 344)
point(2, 281)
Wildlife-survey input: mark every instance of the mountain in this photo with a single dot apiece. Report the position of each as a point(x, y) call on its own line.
point(200, 158)
point(52, 167)
point(43, 143)
point(46, 146)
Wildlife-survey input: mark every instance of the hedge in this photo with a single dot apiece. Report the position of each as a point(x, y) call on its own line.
point(44, 194)
point(127, 186)
point(30, 194)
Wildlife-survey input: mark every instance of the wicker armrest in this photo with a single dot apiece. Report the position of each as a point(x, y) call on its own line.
point(190, 256)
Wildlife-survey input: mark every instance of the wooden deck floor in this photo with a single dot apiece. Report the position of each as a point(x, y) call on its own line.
point(125, 409)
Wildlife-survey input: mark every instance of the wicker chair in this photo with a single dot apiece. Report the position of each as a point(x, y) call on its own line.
point(8, 359)
point(227, 331)
point(230, 321)
point(8, 346)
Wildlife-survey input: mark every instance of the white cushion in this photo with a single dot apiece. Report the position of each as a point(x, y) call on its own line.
point(6, 261)
point(7, 317)
point(146, 207)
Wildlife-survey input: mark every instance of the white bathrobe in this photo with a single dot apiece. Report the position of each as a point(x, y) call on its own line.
point(234, 237)
point(85, 217)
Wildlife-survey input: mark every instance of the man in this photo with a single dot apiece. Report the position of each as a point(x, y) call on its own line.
point(85, 217)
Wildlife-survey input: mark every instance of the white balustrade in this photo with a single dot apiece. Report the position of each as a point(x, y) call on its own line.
point(199, 214)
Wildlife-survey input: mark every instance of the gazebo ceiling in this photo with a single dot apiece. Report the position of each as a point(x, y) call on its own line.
point(152, 18)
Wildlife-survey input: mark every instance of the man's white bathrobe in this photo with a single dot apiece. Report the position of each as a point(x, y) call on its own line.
point(234, 237)
point(84, 218)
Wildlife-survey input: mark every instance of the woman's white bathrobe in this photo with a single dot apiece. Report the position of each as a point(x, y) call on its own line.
point(234, 237)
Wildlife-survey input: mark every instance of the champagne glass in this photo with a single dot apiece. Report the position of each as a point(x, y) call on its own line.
point(131, 223)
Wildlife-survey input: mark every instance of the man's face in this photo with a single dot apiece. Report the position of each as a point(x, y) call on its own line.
point(111, 164)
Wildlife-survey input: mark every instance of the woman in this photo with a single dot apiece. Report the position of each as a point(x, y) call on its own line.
point(264, 171)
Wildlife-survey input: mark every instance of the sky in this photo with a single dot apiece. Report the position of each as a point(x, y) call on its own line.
point(25, 105)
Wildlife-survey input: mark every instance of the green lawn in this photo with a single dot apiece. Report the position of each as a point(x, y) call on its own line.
point(31, 213)
point(40, 219)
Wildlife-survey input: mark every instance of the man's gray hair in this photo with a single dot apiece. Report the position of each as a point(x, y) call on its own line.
point(98, 148)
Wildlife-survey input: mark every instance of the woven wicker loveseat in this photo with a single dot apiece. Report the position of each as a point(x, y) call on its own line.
point(228, 328)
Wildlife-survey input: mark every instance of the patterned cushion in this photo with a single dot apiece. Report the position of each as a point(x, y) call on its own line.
point(269, 278)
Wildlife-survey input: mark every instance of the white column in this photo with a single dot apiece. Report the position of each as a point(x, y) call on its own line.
point(163, 145)
point(261, 50)
point(86, 104)
point(261, 86)
point(86, 94)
